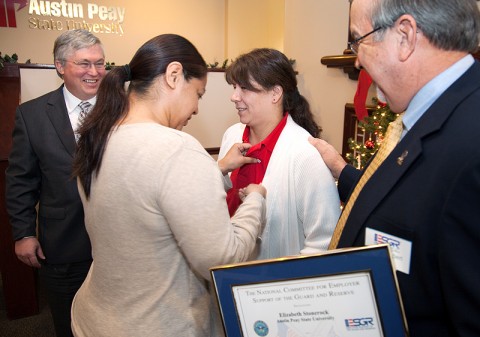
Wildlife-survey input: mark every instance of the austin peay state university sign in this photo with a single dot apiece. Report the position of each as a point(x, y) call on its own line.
point(62, 15)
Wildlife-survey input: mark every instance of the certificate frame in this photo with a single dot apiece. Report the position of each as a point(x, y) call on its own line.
point(374, 261)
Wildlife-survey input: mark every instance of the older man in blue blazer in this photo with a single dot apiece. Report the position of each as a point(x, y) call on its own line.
point(424, 197)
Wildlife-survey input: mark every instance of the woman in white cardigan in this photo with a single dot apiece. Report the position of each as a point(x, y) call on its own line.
point(302, 200)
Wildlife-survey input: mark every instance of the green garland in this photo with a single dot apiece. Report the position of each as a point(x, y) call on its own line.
point(215, 65)
point(8, 59)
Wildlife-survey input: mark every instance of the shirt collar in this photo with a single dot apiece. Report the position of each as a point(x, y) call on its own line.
point(72, 101)
point(270, 141)
point(433, 89)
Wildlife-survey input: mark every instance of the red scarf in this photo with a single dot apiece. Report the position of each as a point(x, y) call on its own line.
point(253, 173)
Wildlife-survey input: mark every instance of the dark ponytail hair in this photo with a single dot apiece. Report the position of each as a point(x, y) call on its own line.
point(149, 62)
point(269, 67)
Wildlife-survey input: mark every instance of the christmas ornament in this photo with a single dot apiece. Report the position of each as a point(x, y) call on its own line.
point(369, 144)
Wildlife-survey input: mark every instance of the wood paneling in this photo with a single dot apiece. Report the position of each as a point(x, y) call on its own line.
point(19, 280)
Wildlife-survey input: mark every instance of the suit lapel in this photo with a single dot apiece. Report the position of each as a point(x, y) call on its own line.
point(58, 115)
point(379, 185)
point(406, 153)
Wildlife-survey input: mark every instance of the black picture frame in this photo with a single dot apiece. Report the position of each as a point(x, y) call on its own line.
point(370, 262)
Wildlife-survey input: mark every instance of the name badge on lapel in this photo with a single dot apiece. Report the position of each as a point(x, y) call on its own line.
point(401, 249)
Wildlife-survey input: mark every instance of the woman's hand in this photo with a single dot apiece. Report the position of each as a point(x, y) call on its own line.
point(235, 158)
point(243, 192)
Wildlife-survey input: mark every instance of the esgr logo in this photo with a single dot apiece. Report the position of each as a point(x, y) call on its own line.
point(382, 238)
point(7, 12)
point(364, 323)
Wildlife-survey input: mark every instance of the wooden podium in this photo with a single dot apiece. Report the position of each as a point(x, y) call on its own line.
point(18, 280)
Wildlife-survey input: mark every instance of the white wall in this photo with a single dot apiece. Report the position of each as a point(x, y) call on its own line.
point(216, 112)
point(254, 24)
point(37, 82)
point(305, 30)
point(313, 29)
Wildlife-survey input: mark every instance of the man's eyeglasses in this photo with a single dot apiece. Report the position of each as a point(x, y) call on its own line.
point(87, 65)
point(353, 45)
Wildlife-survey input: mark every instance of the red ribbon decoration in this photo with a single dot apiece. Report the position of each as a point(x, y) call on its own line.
point(359, 101)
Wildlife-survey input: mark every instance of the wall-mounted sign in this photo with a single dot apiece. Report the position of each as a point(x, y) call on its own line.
point(62, 15)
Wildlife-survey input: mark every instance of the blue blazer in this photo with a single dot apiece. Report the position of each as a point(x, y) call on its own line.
point(40, 171)
point(431, 198)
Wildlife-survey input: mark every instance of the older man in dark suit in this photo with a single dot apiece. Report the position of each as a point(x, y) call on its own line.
point(424, 197)
point(40, 174)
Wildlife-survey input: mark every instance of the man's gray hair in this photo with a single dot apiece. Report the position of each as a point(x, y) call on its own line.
point(447, 24)
point(70, 41)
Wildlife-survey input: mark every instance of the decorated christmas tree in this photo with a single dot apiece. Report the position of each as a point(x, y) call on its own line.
point(373, 128)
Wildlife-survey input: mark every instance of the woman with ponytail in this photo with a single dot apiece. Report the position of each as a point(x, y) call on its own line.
point(154, 201)
point(275, 120)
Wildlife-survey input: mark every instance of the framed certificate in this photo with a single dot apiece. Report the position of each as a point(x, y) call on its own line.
point(344, 292)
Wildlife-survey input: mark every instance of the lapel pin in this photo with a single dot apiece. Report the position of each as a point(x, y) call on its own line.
point(402, 157)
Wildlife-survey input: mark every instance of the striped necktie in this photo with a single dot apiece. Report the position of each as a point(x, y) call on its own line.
point(84, 110)
point(391, 139)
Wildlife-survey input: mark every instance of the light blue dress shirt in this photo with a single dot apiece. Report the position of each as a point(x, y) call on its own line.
point(432, 90)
